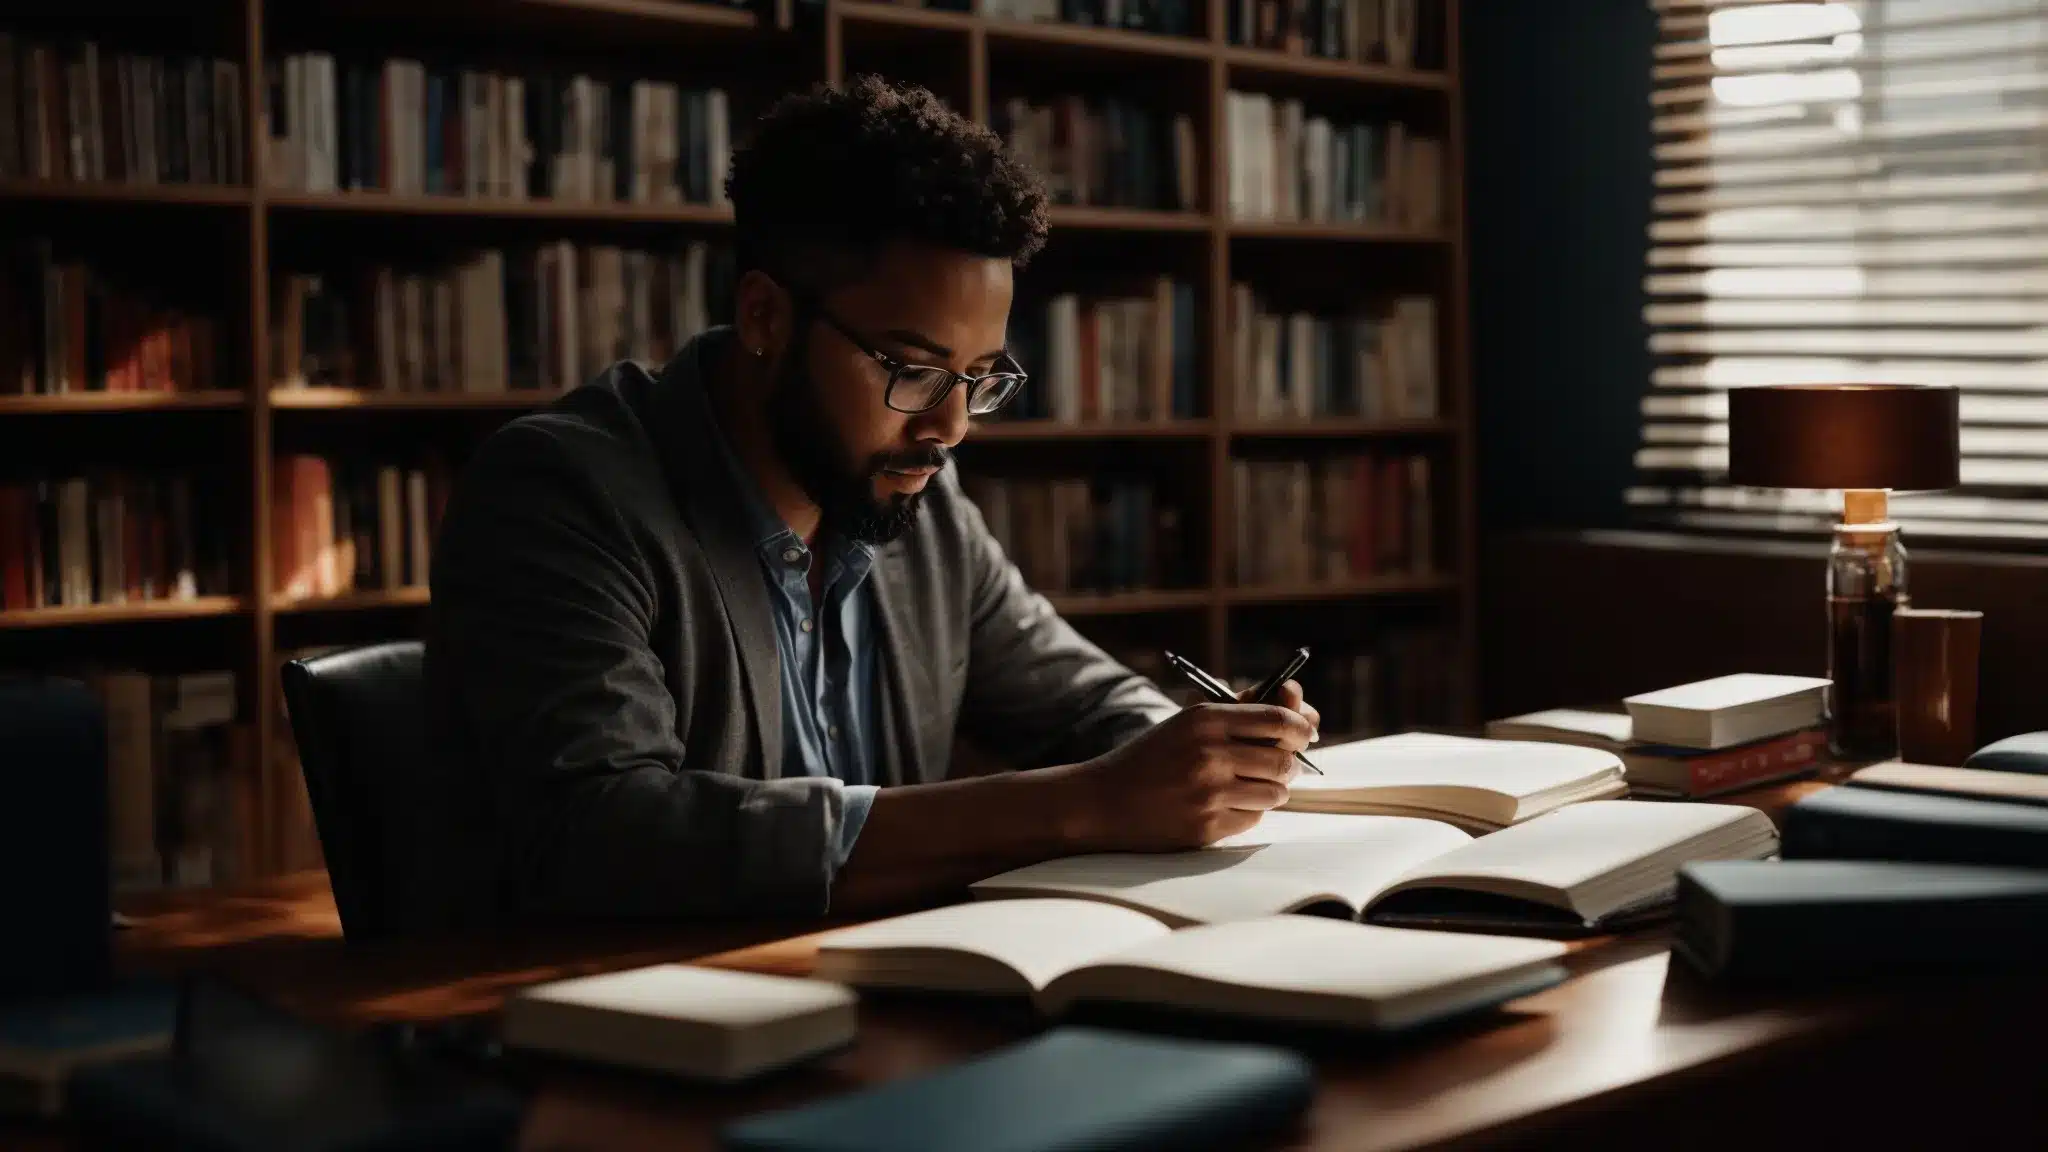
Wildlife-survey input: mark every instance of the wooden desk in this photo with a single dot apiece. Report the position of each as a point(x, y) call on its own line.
point(1631, 1052)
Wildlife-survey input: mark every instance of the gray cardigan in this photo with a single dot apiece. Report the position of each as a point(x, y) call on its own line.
point(602, 688)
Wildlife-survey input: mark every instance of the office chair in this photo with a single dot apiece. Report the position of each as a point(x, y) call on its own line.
point(360, 725)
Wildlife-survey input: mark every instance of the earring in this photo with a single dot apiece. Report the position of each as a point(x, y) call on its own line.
point(760, 352)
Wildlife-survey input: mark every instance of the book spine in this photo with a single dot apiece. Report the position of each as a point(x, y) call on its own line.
point(1711, 775)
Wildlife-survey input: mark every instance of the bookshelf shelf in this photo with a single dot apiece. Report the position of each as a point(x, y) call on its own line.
point(1255, 64)
point(1340, 428)
point(203, 607)
point(1084, 38)
point(1131, 603)
point(115, 192)
point(1347, 233)
point(497, 207)
point(1378, 587)
point(73, 402)
point(653, 11)
point(865, 12)
point(265, 244)
point(331, 399)
point(353, 602)
point(1119, 430)
point(1128, 219)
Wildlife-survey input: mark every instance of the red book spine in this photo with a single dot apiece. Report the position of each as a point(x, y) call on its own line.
point(1722, 772)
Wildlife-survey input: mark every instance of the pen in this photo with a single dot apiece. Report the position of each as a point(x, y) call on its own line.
point(1220, 692)
point(1274, 681)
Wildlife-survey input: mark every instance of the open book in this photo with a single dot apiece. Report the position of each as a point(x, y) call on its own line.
point(1061, 953)
point(1595, 866)
point(1479, 785)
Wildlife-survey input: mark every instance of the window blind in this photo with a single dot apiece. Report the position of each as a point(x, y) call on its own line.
point(1853, 191)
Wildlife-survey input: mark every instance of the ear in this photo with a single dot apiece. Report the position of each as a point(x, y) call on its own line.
point(762, 313)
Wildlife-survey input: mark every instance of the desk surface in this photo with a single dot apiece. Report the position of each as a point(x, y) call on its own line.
point(1623, 1032)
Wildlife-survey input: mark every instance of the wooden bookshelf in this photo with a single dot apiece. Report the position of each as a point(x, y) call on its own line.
point(972, 60)
point(137, 612)
point(76, 402)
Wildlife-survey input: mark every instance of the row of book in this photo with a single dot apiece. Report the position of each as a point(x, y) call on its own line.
point(340, 526)
point(1162, 17)
point(1347, 516)
point(181, 789)
point(1396, 33)
point(1107, 358)
point(1285, 165)
point(1083, 534)
point(72, 111)
point(107, 537)
point(398, 125)
point(1402, 678)
point(67, 327)
point(1378, 362)
point(1109, 153)
point(547, 317)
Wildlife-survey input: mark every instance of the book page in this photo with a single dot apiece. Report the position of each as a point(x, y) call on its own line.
point(1312, 955)
point(1279, 866)
point(1038, 939)
point(1739, 690)
point(1571, 846)
point(1516, 768)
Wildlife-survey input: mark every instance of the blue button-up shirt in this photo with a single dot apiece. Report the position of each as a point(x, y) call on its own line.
point(827, 657)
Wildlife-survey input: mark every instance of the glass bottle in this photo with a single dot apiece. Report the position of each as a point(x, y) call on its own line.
point(1866, 584)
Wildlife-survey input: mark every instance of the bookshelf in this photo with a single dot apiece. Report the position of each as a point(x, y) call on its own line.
point(246, 235)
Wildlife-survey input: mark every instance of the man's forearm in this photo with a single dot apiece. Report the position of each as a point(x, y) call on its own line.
point(923, 841)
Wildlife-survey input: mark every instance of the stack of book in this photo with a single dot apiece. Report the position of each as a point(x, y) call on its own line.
point(1700, 739)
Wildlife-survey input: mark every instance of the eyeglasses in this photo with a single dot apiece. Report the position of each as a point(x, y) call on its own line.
point(921, 387)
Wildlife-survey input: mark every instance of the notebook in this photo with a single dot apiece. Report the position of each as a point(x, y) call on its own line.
point(1578, 868)
point(1727, 710)
point(1068, 1090)
point(683, 1020)
point(1479, 785)
point(1821, 920)
point(1980, 783)
point(1601, 866)
point(1302, 969)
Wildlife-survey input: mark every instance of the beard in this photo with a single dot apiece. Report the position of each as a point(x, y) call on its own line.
point(822, 463)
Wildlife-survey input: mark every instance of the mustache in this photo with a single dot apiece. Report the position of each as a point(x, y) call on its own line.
point(925, 456)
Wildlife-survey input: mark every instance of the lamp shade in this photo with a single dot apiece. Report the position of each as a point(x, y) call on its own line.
point(1900, 436)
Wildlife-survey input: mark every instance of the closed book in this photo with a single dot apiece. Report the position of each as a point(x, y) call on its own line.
point(1796, 920)
point(683, 1020)
point(1726, 710)
point(1068, 1090)
point(2026, 752)
point(1874, 824)
point(1939, 780)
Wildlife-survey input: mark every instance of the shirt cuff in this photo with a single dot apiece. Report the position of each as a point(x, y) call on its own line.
point(859, 798)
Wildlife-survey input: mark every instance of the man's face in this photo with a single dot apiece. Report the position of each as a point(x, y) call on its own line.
point(863, 462)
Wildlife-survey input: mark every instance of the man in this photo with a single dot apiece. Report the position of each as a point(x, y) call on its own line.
point(702, 640)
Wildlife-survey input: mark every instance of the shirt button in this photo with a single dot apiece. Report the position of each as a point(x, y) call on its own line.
point(805, 624)
point(832, 731)
point(792, 555)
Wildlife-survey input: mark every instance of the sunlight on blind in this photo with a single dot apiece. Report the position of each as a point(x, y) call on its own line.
point(1850, 191)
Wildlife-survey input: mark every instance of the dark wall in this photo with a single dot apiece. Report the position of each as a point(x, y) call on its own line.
point(1558, 158)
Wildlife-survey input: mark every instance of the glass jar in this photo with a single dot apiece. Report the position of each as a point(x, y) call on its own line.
point(1866, 584)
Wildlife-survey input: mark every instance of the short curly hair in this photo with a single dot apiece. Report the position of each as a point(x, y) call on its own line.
point(830, 175)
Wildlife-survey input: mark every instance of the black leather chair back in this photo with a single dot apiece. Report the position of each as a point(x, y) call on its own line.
point(359, 720)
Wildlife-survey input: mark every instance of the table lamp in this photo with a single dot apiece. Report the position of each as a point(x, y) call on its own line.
point(1864, 439)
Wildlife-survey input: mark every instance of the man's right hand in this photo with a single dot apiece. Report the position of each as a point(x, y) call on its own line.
point(1198, 776)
